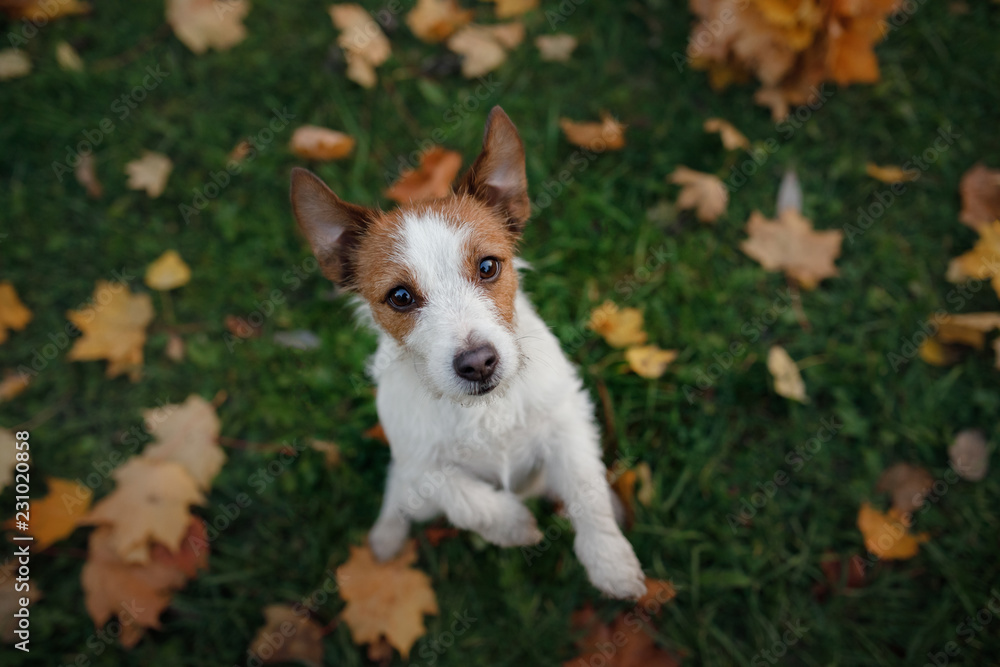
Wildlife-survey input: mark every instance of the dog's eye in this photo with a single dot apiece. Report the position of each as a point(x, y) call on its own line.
point(400, 298)
point(489, 268)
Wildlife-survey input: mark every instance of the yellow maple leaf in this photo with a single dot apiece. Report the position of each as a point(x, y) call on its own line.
point(620, 327)
point(705, 193)
point(13, 314)
point(983, 261)
point(649, 361)
point(168, 272)
point(790, 244)
point(434, 20)
point(187, 434)
point(56, 515)
point(114, 328)
point(887, 535)
point(205, 24)
point(385, 599)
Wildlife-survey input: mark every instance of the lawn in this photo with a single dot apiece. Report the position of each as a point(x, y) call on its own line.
point(712, 429)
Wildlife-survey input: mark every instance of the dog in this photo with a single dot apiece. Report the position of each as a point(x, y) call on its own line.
point(478, 402)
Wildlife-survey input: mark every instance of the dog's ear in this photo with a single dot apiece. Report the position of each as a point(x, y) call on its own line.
point(331, 225)
point(497, 176)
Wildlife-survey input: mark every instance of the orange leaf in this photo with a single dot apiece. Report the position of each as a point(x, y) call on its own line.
point(980, 190)
point(434, 20)
point(608, 135)
point(887, 535)
point(706, 193)
point(187, 434)
point(318, 143)
point(205, 24)
point(431, 180)
point(649, 361)
point(114, 328)
point(302, 637)
point(53, 517)
point(790, 244)
point(620, 327)
point(365, 45)
point(732, 138)
point(891, 174)
point(13, 314)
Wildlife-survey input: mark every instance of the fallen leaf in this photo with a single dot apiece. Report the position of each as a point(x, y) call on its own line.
point(556, 48)
point(365, 45)
point(240, 151)
point(175, 348)
point(967, 329)
point(787, 379)
point(908, 485)
point(732, 138)
point(114, 328)
point(980, 190)
point(12, 385)
point(706, 193)
point(205, 24)
point(68, 58)
point(620, 327)
point(624, 643)
point(318, 143)
point(609, 134)
point(13, 314)
point(969, 455)
point(385, 599)
point(891, 174)
point(790, 244)
point(168, 272)
point(507, 8)
point(86, 176)
point(376, 432)
point(14, 63)
point(41, 10)
point(187, 434)
point(936, 354)
point(510, 35)
point(149, 173)
point(983, 261)
point(10, 600)
point(432, 179)
point(150, 502)
point(301, 637)
point(480, 49)
point(624, 487)
point(645, 492)
point(887, 535)
point(193, 554)
point(54, 516)
point(649, 361)
point(657, 590)
point(8, 457)
point(329, 450)
point(434, 20)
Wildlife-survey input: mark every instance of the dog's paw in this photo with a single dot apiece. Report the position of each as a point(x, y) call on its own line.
point(612, 565)
point(517, 529)
point(386, 539)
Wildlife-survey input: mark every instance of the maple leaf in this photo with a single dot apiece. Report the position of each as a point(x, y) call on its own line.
point(969, 455)
point(56, 515)
point(114, 328)
point(620, 327)
point(10, 599)
point(13, 314)
point(205, 24)
point(87, 176)
point(434, 20)
point(8, 457)
point(432, 179)
point(556, 48)
point(302, 637)
point(150, 502)
point(187, 434)
point(790, 244)
point(787, 379)
point(150, 173)
point(484, 48)
point(732, 138)
point(887, 535)
point(891, 174)
point(706, 193)
point(649, 361)
point(623, 643)
point(908, 485)
point(608, 135)
point(319, 143)
point(980, 190)
point(13, 384)
point(365, 45)
point(385, 599)
point(507, 8)
point(983, 261)
point(968, 328)
point(168, 272)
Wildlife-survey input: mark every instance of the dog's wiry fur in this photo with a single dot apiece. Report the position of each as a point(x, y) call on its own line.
point(470, 449)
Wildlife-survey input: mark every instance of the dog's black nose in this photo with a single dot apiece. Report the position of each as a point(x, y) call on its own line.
point(476, 364)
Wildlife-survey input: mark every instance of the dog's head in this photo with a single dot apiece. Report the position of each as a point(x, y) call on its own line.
point(438, 276)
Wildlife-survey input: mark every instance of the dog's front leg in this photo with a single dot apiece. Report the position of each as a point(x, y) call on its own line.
point(498, 516)
point(577, 476)
point(393, 524)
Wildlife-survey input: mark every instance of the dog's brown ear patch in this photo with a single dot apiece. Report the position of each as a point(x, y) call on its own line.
point(497, 177)
point(331, 225)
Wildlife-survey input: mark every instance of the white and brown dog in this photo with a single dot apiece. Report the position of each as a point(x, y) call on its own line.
point(479, 403)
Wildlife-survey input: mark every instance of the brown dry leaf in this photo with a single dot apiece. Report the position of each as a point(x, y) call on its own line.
point(41, 10)
point(431, 180)
point(434, 20)
point(149, 173)
point(507, 8)
point(56, 515)
point(385, 599)
point(10, 600)
point(14, 63)
point(630, 644)
point(187, 434)
point(608, 135)
point(13, 384)
point(168, 272)
point(967, 329)
point(887, 535)
point(983, 261)
point(620, 327)
point(87, 176)
point(732, 139)
point(706, 193)
point(302, 637)
point(376, 432)
point(980, 190)
point(556, 48)
point(114, 328)
point(787, 379)
point(891, 173)
point(657, 590)
point(510, 35)
point(318, 143)
point(150, 502)
point(8, 457)
point(13, 314)
point(649, 361)
point(969, 455)
point(624, 487)
point(205, 24)
point(908, 485)
point(365, 45)
point(329, 450)
point(69, 60)
point(480, 49)
point(790, 244)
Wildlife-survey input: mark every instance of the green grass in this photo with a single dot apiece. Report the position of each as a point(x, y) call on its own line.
point(737, 589)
